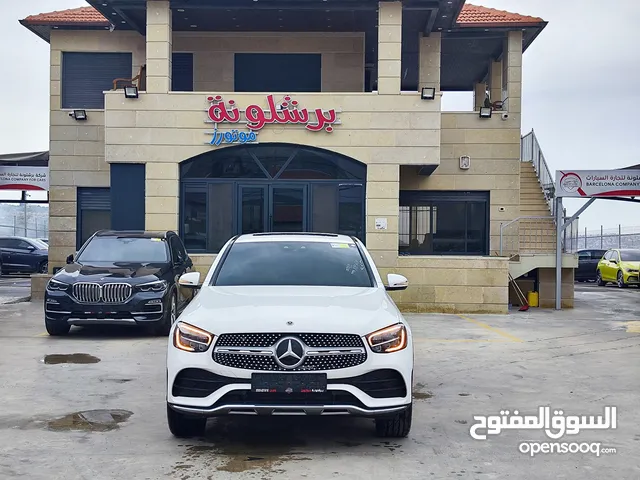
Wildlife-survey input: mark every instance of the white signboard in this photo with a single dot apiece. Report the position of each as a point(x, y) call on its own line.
point(381, 223)
point(24, 178)
point(598, 183)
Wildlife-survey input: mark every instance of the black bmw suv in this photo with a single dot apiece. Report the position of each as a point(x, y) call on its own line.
point(122, 278)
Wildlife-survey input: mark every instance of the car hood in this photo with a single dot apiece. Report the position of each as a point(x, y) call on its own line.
point(108, 271)
point(632, 265)
point(310, 309)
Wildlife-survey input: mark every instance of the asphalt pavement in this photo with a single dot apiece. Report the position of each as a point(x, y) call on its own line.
point(14, 288)
point(92, 405)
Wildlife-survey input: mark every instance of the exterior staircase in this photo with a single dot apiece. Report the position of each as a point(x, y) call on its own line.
point(530, 240)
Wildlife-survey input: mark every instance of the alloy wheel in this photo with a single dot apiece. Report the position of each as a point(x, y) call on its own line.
point(621, 280)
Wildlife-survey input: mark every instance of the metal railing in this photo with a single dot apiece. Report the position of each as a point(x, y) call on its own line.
point(604, 238)
point(530, 151)
point(35, 231)
point(527, 235)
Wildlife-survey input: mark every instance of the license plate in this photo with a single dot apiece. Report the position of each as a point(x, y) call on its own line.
point(289, 382)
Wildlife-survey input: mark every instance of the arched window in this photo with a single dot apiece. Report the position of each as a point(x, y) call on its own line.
point(270, 187)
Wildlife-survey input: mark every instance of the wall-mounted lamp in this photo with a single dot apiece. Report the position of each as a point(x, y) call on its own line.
point(78, 114)
point(428, 93)
point(130, 91)
point(465, 162)
point(485, 112)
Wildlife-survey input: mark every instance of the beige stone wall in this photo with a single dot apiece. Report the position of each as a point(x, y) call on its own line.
point(452, 284)
point(382, 131)
point(494, 147)
point(76, 149)
point(213, 56)
point(547, 286)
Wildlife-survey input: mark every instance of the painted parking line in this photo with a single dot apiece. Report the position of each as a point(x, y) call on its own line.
point(633, 327)
point(492, 329)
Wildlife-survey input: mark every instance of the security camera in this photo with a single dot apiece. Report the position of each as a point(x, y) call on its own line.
point(505, 116)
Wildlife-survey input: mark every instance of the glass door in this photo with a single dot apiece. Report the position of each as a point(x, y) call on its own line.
point(288, 212)
point(252, 206)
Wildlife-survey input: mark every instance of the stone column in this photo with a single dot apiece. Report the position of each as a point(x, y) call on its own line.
point(495, 80)
point(512, 72)
point(389, 47)
point(479, 94)
point(430, 50)
point(383, 191)
point(159, 35)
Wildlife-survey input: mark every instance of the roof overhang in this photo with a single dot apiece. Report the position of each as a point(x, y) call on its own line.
point(29, 159)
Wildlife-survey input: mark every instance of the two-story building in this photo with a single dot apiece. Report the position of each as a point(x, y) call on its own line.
point(217, 117)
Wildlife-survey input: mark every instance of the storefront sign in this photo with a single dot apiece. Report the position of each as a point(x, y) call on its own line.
point(24, 178)
point(231, 136)
point(598, 183)
point(287, 111)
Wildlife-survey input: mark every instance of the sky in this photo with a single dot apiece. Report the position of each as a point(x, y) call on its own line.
point(581, 88)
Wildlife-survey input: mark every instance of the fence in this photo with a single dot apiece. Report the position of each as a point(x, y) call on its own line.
point(36, 229)
point(605, 238)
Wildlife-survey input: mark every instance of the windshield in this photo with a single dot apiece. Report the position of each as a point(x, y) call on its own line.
point(124, 250)
point(336, 264)
point(630, 255)
point(39, 244)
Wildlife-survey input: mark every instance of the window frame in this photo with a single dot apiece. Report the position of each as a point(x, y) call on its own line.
point(414, 198)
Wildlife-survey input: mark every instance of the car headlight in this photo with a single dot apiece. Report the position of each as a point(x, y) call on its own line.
point(191, 339)
point(388, 340)
point(156, 286)
point(57, 285)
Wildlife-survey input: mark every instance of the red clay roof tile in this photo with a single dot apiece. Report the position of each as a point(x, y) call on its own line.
point(82, 15)
point(474, 15)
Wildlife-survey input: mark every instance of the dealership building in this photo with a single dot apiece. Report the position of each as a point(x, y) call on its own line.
point(214, 118)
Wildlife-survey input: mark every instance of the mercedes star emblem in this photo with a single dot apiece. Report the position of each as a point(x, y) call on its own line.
point(290, 352)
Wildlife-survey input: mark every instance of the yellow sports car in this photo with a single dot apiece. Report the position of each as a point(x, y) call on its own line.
point(619, 265)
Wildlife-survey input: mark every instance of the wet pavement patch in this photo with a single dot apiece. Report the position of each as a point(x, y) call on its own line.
point(422, 395)
point(78, 358)
point(464, 394)
point(90, 421)
point(235, 446)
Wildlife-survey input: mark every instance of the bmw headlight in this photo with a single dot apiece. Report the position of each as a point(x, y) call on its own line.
point(191, 339)
point(388, 340)
point(57, 286)
point(156, 286)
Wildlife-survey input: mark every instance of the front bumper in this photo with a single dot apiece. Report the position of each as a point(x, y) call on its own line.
point(140, 308)
point(631, 278)
point(380, 386)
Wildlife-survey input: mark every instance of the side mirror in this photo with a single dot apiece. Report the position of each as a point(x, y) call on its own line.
point(31, 248)
point(396, 282)
point(70, 259)
point(190, 280)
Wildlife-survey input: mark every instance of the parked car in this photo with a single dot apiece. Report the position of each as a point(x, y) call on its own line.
point(124, 278)
point(44, 240)
point(619, 265)
point(24, 255)
point(291, 324)
point(588, 260)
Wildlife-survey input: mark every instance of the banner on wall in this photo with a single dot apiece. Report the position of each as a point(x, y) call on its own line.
point(598, 183)
point(24, 178)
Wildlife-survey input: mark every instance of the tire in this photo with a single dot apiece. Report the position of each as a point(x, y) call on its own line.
point(182, 426)
point(56, 329)
point(620, 280)
point(163, 327)
point(599, 281)
point(43, 267)
point(397, 426)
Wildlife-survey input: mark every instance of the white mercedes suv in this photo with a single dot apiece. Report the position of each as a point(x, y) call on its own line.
point(291, 324)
